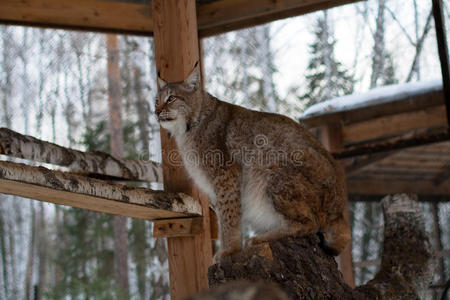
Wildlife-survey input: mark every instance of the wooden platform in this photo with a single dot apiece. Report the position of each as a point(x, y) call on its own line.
point(93, 194)
point(423, 170)
point(135, 17)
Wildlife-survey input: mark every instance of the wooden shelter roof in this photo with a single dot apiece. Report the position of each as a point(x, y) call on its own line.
point(424, 169)
point(135, 16)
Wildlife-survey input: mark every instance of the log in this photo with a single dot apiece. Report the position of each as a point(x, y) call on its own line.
point(303, 270)
point(75, 190)
point(92, 163)
point(408, 259)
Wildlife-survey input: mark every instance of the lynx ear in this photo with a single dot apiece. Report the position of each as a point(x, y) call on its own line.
point(193, 80)
point(161, 82)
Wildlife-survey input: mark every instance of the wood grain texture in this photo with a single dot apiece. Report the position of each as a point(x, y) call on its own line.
point(332, 139)
point(408, 262)
point(92, 163)
point(177, 51)
point(395, 124)
point(227, 15)
point(382, 186)
point(177, 227)
point(76, 190)
point(92, 15)
point(214, 17)
point(402, 105)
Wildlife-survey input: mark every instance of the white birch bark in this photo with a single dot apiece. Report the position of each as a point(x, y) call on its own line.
point(97, 163)
point(40, 176)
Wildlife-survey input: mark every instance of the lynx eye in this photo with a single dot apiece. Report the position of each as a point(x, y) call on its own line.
point(171, 99)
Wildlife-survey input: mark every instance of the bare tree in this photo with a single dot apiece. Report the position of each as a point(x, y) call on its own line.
point(7, 67)
point(117, 149)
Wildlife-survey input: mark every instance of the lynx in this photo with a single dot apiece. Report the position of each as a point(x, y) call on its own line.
point(257, 168)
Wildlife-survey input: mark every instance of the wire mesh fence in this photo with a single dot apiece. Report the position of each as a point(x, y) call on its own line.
point(53, 85)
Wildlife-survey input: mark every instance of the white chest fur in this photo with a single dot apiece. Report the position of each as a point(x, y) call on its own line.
point(257, 207)
point(192, 161)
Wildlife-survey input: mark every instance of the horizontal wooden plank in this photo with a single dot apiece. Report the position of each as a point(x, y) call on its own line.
point(214, 17)
point(79, 191)
point(88, 202)
point(395, 124)
point(91, 15)
point(401, 105)
point(377, 198)
point(227, 15)
point(385, 187)
point(96, 163)
point(177, 227)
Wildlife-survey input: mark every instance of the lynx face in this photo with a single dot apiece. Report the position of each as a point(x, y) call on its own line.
point(176, 103)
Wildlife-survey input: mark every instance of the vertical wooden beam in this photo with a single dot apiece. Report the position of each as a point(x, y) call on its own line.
point(331, 137)
point(439, 21)
point(176, 51)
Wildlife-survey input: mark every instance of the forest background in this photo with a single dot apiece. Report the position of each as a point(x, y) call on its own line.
point(53, 85)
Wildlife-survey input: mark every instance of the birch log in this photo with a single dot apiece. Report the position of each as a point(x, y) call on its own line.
point(95, 163)
point(75, 190)
point(300, 267)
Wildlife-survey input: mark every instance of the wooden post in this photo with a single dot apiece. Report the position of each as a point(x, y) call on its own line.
point(331, 137)
point(176, 51)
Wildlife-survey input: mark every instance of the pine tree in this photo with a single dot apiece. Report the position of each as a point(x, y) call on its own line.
point(325, 76)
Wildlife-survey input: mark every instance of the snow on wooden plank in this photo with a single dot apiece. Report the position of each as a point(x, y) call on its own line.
point(98, 163)
point(79, 191)
point(385, 94)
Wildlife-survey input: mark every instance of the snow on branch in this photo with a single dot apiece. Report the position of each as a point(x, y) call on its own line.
point(79, 191)
point(96, 163)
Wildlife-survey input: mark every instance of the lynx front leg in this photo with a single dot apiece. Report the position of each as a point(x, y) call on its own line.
point(228, 210)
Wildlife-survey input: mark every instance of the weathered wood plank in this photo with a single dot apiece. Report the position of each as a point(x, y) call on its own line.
point(331, 138)
point(91, 15)
point(389, 125)
point(214, 17)
point(95, 163)
point(227, 15)
point(177, 51)
point(177, 227)
point(75, 190)
point(402, 105)
point(376, 186)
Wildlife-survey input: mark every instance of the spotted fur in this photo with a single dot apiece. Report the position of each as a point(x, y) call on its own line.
point(262, 168)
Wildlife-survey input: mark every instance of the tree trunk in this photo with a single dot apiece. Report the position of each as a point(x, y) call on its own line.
point(303, 270)
point(116, 135)
point(3, 253)
point(30, 258)
point(379, 48)
point(7, 67)
point(42, 252)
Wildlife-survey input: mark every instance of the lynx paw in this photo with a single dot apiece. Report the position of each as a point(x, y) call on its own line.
point(220, 254)
point(250, 242)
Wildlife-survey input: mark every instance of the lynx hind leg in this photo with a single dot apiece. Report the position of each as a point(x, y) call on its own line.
point(337, 236)
point(288, 228)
